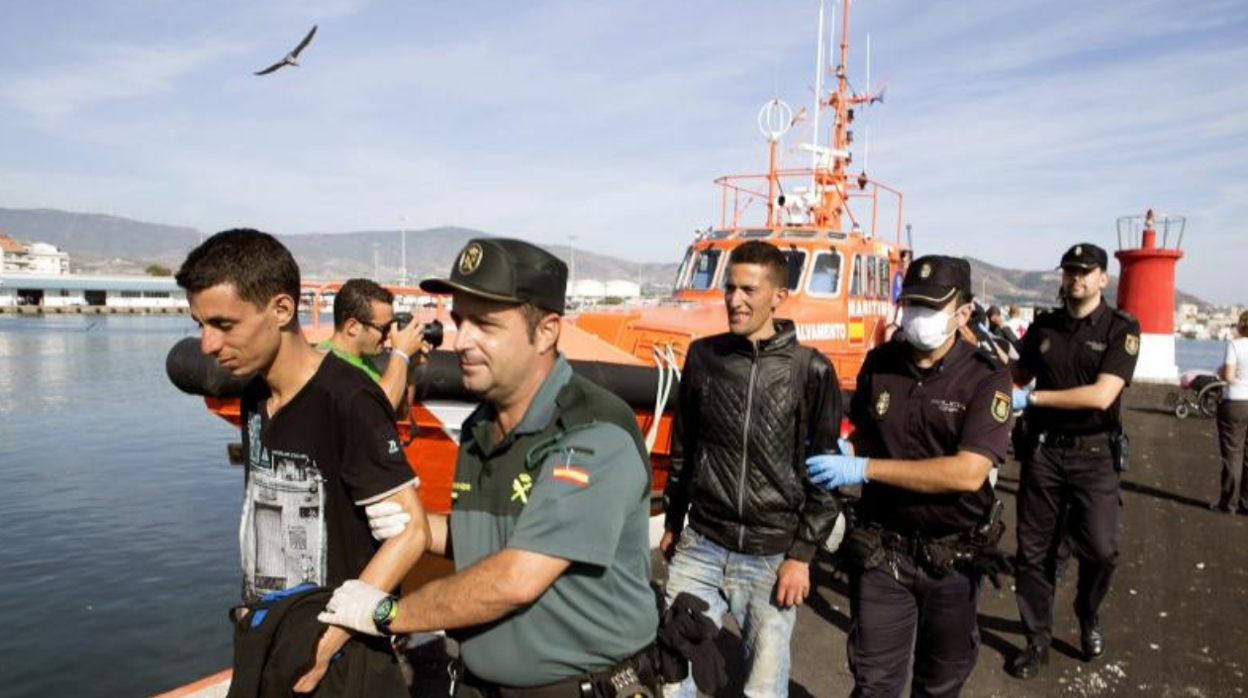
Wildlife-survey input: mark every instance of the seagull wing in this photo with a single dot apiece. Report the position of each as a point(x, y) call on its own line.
point(271, 68)
point(304, 44)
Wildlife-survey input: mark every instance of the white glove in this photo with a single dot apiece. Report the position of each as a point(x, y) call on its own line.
point(386, 519)
point(352, 606)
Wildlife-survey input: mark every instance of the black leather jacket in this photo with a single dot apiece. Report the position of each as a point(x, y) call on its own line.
point(738, 469)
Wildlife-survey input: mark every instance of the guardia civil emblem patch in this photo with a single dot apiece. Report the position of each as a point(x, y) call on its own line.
point(470, 258)
point(1000, 406)
point(1133, 344)
point(882, 404)
point(520, 488)
point(1044, 345)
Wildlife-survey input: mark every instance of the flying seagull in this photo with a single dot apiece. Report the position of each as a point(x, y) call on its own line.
point(290, 57)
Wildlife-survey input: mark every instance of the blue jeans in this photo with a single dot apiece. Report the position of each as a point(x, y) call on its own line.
point(745, 586)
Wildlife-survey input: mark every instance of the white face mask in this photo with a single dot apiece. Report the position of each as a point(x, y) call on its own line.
point(925, 328)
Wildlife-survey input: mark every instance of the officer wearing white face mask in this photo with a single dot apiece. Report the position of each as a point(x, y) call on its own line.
point(931, 419)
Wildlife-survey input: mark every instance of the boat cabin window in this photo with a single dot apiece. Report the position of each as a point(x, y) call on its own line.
point(702, 271)
point(682, 273)
point(870, 278)
point(825, 274)
point(756, 233)
point(718, 234)
point(796, 260)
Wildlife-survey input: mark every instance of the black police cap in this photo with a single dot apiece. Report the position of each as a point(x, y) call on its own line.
point(1085, 255)
point(510, 271)
point(935, 279)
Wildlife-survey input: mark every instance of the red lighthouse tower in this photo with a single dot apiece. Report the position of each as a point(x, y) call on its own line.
point(1146, 288)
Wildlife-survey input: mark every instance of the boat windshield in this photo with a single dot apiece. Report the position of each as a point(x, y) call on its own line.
point(796, 260)
point(702, 270)
point(825, 274)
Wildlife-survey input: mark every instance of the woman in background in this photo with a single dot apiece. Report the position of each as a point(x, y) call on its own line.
point(1233, 421)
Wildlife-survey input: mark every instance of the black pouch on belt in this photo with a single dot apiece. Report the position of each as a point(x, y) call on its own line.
point(1120, 450)
point(938, 558)
point(864, 548)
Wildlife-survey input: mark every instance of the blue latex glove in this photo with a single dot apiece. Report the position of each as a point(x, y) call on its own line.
point(845, 447)
point(831, 471)
point(1018, 402)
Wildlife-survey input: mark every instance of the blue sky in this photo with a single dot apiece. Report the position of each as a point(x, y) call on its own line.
point(1013, 128)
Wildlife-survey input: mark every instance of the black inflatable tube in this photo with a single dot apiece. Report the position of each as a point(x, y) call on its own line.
point(439, 378)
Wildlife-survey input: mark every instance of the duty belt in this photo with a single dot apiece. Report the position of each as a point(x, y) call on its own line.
point(1078, 442)
point(635, 675)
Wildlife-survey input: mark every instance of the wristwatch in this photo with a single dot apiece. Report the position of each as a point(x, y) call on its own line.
point(384, 614)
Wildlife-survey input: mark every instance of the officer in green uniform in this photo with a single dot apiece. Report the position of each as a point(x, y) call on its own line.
point(549, 527)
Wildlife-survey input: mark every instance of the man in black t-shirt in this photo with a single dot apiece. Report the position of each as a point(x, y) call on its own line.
point(320, 443)
point(1082, 356)
point(931, 420)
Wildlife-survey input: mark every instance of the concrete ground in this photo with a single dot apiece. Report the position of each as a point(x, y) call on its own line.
point(1174, 618)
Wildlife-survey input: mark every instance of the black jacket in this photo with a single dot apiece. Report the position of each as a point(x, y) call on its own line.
point(738, 469)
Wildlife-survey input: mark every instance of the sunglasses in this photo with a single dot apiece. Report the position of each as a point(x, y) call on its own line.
point(383, 329)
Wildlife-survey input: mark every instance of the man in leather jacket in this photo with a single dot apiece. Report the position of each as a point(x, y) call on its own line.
point(754, 403)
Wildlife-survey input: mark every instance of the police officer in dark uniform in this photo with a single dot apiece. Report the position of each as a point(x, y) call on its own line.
point(549, 528)
point(1081, 356)
point(931, 419)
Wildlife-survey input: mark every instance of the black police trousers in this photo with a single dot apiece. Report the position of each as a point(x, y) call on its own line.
point(1065, 495)
point(898, 607)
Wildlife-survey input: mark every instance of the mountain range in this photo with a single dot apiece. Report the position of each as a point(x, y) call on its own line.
point(105, 244)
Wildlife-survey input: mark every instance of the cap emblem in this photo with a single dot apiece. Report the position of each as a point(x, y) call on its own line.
point(470, 259)
point(925, 271)
point(1078, 250)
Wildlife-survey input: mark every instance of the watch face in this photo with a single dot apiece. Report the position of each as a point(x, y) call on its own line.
point(383, 609)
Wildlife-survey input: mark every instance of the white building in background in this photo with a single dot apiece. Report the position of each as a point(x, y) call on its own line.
point(621, 288)
point(592, 290)
point(68, 291)
point(587, 289)
point(35, 258)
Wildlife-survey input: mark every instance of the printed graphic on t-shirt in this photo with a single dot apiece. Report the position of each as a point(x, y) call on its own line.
point(282, 533)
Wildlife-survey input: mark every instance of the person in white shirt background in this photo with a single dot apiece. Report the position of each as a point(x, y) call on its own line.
point(1233, 422)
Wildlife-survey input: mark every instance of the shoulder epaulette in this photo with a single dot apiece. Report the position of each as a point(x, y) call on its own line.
point(1124, 315)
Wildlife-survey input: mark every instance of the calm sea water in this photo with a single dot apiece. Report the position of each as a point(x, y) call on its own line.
point(118, 511)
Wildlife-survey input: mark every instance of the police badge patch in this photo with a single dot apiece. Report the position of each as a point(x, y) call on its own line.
point(1133, 344)
point(882, 404)
point(1000, 406)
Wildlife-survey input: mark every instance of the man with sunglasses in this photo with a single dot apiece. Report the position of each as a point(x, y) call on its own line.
point(363, 320)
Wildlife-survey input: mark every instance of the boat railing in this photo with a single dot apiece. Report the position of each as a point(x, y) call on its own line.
point(865, 205)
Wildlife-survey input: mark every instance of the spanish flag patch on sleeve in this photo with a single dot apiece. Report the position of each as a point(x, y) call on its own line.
point(571, 473)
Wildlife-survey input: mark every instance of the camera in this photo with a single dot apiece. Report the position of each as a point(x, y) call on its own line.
point(431, 334)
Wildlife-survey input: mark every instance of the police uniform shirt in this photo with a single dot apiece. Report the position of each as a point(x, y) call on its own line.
point(1064, 352)
point(583, 497)
point(907, 413)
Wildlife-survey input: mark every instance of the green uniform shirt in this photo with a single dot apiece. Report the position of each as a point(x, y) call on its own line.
point(571, 482)
point(356, 361)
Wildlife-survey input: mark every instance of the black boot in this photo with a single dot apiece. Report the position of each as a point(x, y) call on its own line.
point(1092, 637)
point(1027, 663)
